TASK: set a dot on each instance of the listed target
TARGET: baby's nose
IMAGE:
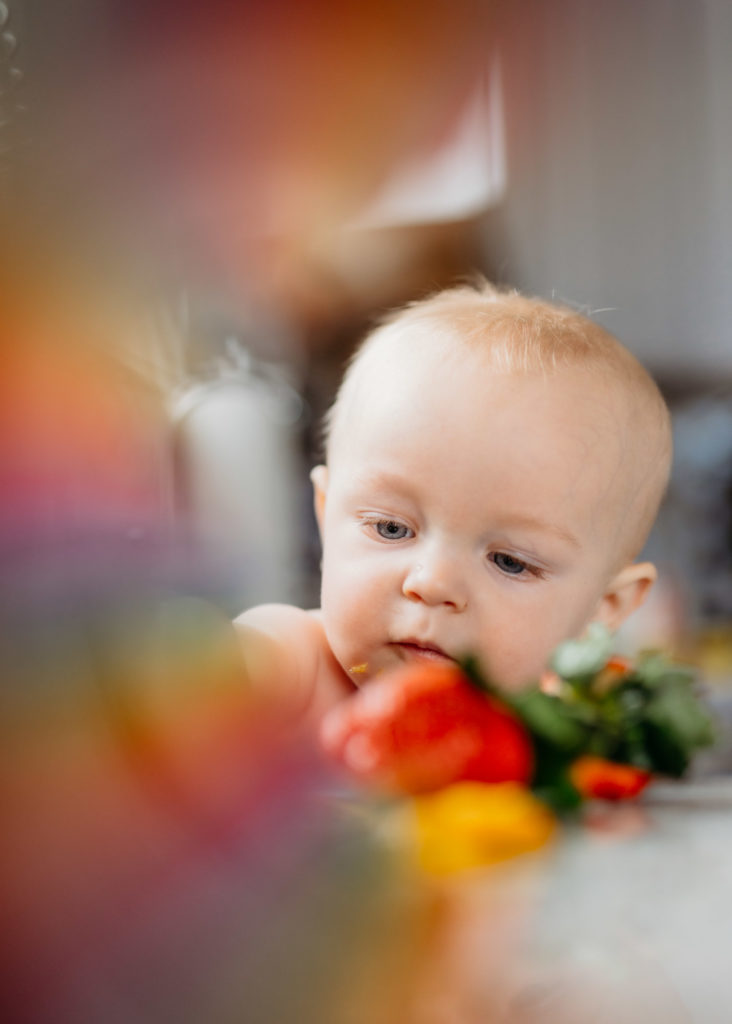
(436, 581)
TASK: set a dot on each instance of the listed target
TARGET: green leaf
(551, 783)
(676, 711)
(560, 795)
(470, 667)
(578, 659)
(631, 700)
(665, 755)
(550, 719)
(654, 670)
(632, 748)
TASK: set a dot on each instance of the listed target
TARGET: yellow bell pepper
(471, 824)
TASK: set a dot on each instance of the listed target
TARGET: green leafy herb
(647, 715)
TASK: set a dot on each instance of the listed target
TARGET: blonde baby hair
(524, 335)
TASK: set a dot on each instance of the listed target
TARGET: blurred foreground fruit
(471, 825)
(423, 727)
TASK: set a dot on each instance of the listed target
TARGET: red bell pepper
(423, 727)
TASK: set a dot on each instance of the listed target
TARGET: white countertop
(627, 921)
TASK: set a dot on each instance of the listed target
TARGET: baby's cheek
(355, 640)
(517, 660)
(524, 660)
(344, 631)
(351, 603)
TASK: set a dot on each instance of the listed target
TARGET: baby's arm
(288, 658)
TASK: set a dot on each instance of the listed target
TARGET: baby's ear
(319, 480)
(626, 592)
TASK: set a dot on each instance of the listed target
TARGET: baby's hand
(423, 727)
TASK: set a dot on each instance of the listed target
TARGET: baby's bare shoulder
(295, 642)
(284, 622)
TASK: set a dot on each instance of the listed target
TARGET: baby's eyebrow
(373, 479)
(525, 520)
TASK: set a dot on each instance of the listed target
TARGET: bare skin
(463, 510)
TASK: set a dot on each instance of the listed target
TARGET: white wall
(619, 151)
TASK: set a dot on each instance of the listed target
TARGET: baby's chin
(359, 672)
(363, 668)
(511, 680)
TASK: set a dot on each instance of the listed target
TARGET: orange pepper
(615, 669)
(598, 778)
(617, 663)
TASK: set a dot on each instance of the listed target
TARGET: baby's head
(494, 465)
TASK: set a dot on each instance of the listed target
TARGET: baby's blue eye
(389, 529)
(508, 564)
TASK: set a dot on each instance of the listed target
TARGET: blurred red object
(597, 778)
(423, 727)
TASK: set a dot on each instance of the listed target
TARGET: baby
(494, 465)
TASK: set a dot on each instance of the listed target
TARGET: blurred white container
(241, 481)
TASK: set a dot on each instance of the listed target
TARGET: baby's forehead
(454, 399)
(412, 369)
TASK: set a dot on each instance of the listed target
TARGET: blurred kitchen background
(203, 207)
(592, 165)
(584, 154)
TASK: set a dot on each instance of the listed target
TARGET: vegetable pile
(499, 765)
